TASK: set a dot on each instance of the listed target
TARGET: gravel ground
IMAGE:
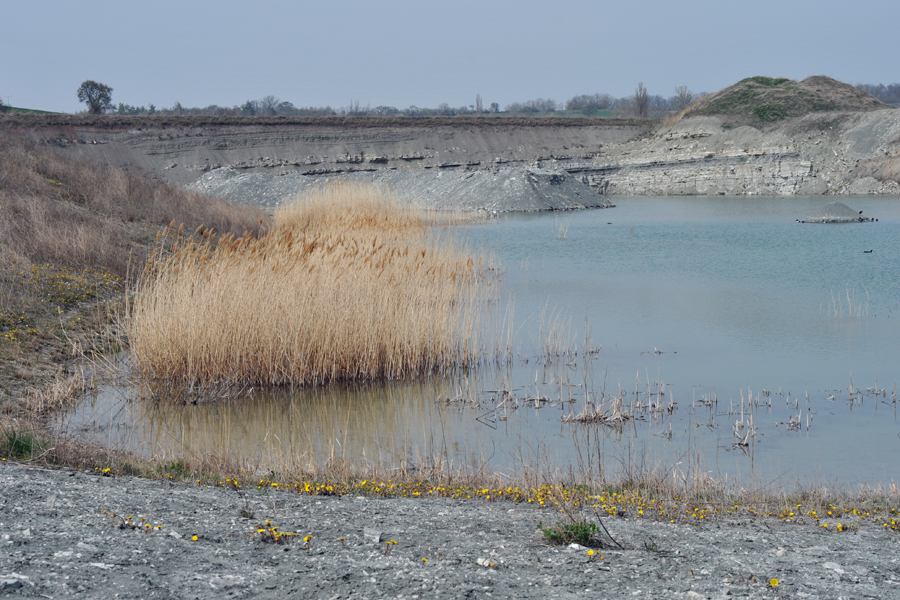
(57, 541)
(503, 190)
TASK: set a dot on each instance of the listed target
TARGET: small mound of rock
(837, 212)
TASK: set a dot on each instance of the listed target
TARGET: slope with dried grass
(347, 285)
(68, 229)
(71, 212)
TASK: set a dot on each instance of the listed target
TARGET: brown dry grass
(347, 285)
(68, 212)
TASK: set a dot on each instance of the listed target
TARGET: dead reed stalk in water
(346, 285)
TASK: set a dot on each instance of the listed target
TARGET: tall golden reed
(346, 285)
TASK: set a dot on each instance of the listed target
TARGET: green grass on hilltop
(763, 100)
(17, 109)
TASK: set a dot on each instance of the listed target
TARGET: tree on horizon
(97, 96)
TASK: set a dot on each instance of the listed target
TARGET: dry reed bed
(346, 285)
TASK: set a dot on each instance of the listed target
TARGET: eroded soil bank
(57, 541)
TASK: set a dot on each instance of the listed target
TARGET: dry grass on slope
(347, 285)
(69, 212)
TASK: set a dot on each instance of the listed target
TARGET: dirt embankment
(746, 142)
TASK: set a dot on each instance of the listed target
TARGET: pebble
(373, 535)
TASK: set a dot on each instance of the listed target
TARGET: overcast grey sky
(400, 53)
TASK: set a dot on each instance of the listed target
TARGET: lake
(681, 317)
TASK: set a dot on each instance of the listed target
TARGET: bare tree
(538, 105)
(479, 105)
(641, 101)
(683, 97)
(267, 105)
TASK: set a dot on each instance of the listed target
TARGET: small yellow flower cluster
(610, 502)
(143, 525)
(271, 534)
(830, 512)
(14, 324)
(387, 546)
(64, 286)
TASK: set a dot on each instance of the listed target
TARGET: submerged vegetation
(346, 285)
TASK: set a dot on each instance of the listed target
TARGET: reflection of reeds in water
(299, 430)
(347, 285)
(562, 229)
(556, 343)
(845, 305)
(394, 429)
(484, 426)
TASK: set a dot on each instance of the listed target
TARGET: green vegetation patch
(20, 445)
(770, 113)
(17, 109)
(65, 286)
(764, 81)
(582, 532)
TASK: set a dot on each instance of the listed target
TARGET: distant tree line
(98, 98)
(639, 104)
(591, 105)
(889, 94)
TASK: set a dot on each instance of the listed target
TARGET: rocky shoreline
(75, 533)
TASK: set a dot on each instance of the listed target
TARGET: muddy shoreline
(58, 541)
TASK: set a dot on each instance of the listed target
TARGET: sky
(423, 53)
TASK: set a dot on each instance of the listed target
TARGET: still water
(688, 315)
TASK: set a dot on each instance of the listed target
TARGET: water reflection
(567, 419)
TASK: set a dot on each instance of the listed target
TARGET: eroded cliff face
(182, 154)
(825, 153)
(821, 153)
